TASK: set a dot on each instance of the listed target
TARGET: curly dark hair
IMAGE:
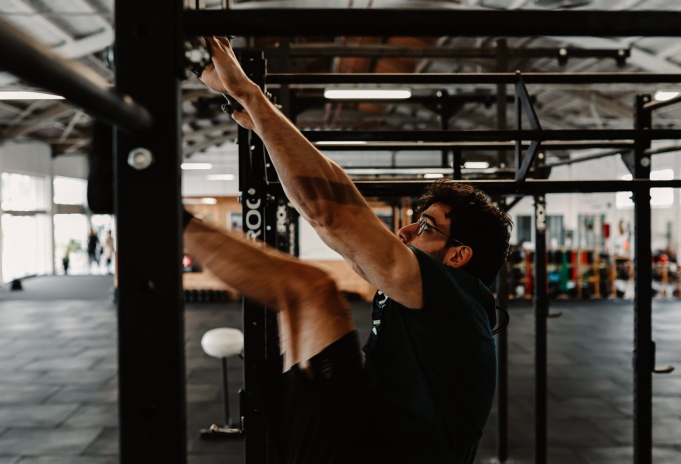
(476, 221)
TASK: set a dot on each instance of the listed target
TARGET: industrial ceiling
(83, 30)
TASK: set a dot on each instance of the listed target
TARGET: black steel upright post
(151, 358)
(541, 309)
(644, 353)
(502, 287)
(502, 367)
(252, 172)
(445, 114)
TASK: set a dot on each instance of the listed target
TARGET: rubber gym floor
(58, 387)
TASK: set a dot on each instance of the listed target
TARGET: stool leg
(225, 395)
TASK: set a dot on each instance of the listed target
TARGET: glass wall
(71, 227)
(26, 240)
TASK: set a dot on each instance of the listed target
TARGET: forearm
(313, 182)
(256, 271)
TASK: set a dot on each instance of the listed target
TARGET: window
(524, 228)
(556, 233)
(591, 230)
(69, 191)
(26, 243)
(25, 246)
(21, 192)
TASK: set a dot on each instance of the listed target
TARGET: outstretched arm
(311, 312)
(318, 188)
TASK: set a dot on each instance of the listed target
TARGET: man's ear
(458, 256)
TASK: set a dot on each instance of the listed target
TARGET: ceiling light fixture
(433, 176)
(662, 95)
(220, 177)
(476, 165)
(367, 94)
(29, 96)
(195, 166)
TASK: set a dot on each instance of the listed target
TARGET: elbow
(328, 217)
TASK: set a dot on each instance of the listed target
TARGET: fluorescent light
(433, 176)
(662, 95)
(220, 177)
(199, 201)
(367, 94)
(476, 164)
(29, 96)
(190, 166)
(346, 142)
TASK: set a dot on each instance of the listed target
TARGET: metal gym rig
(145, 109)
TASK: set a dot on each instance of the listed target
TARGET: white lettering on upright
(253, 219)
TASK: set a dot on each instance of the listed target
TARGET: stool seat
(223, 342)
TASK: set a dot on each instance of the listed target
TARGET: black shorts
(336, 418)
(329, 418)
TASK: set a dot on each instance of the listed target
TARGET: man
(92, 245)
(427, 385)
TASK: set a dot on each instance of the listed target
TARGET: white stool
(223, 343)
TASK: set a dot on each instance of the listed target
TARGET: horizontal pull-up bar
(652, 151)
(431, 22)
(505, 187)
(464, 146)
(22, 56)
(384, 51)
(493, 135)
(474, 78)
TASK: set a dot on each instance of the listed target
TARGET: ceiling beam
(43, 119)
(199, 147)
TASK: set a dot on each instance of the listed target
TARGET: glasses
(423, 225)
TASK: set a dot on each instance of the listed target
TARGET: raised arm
(318, 188)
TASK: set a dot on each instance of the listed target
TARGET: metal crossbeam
(469, 146)
(493, 135)
(504, 187)
(475, 78)
(20, 54)
(432, 22)
(385, 51)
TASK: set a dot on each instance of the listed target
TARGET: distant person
(92, 248)
(108, 250)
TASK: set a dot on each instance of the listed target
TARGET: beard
(440, 254)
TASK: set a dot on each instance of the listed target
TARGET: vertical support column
(457, 164)
(502, 287)
(501, 67)
(252, 174)
(151, 359)
(445, 114)
(518, 120)
(541, 309)
(644, 351)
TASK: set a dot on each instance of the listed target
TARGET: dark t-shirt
(433, 371)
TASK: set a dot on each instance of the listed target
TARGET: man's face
(431, 241)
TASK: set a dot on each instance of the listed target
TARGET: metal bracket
(629, 160)
(656, 370)
(522, 102)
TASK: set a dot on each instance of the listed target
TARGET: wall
(611, 168)
(35, 159)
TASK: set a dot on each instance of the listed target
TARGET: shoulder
(448, 287)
